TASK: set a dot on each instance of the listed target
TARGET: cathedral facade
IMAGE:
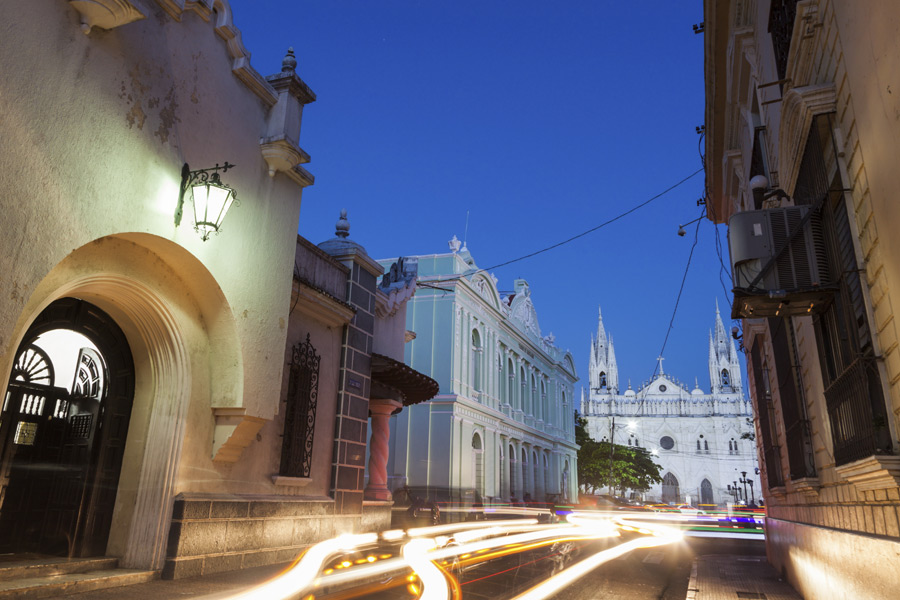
(696, 436)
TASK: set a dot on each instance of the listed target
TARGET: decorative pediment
(523, 314)
(486, 288)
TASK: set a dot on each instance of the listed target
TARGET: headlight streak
(302, 575)
(427, 547)
(662, 535)
(434, 584)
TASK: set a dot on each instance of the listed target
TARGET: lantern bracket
(201, 176)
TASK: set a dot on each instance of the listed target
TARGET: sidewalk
(727, 577)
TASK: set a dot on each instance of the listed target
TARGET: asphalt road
(654, 573)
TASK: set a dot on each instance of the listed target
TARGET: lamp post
(744, 480)
(733, 492)
(737, 491)
(752, 497)
(211, 198)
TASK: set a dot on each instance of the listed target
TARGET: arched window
(601, 381)
(735, 445)
(510, 382)
(477, 352)
(726, 379)
(513, 487)
(698, 445)
(477, 464)
(706, 446)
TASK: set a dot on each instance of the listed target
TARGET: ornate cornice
(799, 106)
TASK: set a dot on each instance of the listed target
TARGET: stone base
(210, 535)
(831, 564)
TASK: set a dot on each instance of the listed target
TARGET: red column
(379, 411)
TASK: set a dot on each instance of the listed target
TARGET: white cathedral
(694, 435)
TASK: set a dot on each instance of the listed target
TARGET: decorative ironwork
(33, 366)
(781, 27)
(88, 381)
(300, 416)
(80, 426)
(855, 430)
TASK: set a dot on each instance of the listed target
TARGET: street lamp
(737, 491)
(752, 497)
(744, 481)
(211, 198)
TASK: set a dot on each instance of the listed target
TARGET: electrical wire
(574, 237)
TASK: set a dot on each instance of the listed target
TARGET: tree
(632, 467)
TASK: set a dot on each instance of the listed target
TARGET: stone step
(45, 567)
(53, 586)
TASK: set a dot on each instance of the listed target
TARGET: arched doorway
(670, 489)
(706, 493)
(62, 436)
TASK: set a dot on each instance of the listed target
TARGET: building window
(601, 381)
(477, 357)
(853, 388)
(726, 380)
(781, 28)
(477, 464)
(766, 414)
(300, 416)
(666, 443)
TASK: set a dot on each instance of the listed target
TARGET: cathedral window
(706, 446)
(726, 380)
(601, 382)
(698, 445)
(666, 443)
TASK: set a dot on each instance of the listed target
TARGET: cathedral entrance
(670, 489)
(63, 425)
(706, 493)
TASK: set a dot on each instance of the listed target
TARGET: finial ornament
(342, 227)
(289, 64)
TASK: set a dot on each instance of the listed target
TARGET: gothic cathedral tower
(724, 365)
(604, 373)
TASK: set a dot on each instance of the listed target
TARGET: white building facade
(695, 436)
(503, 423)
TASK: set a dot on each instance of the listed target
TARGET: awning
(414, 386)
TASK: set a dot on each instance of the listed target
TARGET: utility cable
(574, 237)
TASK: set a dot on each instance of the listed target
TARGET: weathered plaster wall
(95, 130)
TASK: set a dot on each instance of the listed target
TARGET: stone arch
(185, 348)
(670, 491)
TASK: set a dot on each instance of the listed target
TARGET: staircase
(50, 577)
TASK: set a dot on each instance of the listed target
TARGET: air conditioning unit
(797, 282)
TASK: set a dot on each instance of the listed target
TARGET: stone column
(379, 449)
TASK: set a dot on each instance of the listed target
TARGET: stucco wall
(96, 129)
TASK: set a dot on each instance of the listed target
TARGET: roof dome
(341, 244)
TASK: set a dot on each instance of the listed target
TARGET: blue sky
(542, 120)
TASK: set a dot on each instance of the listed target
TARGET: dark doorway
(706, 493)
(670, 489)
(62, 434)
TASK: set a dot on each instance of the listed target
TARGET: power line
(577, 236)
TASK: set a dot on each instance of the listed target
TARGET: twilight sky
(542, 120)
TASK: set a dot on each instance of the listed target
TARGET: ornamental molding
(805, 36)
(108, 14)
(226, 30)
(282, 154)
(799, 106)
(872, 473)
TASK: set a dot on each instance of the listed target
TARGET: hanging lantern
(211, 198)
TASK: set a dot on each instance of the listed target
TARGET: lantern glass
(211, 202)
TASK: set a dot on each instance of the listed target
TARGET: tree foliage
(632, 467)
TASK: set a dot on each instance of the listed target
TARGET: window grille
(854, 393)
(766, 414)
(300, 416)
(781, 27)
